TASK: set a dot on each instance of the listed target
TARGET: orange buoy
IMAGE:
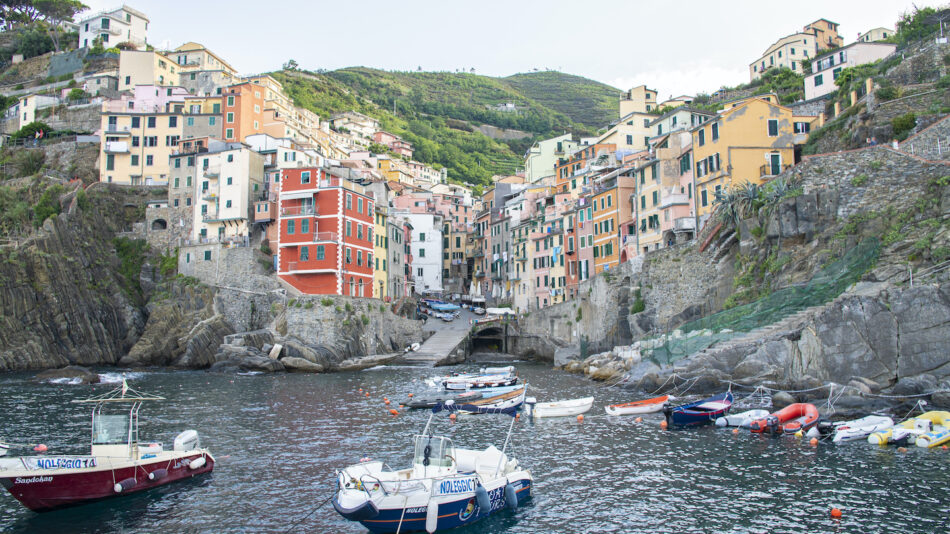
(944, 447)
(361, 390)
(901, 449)
(518, 417)
(638, 420)
(580, 418)
(402, 406)
(735, 430)
(452, 417)
(394, 411)
(40, 448)
(410, 395)
(664, 424)
(836, 513)
(813, 442)
(386, 402)
(385, 398)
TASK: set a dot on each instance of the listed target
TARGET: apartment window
(819, 80)
(304, 254)
(320, 252)
(702, 137)
(188, 201)
(176, 182)
(702, 196)
(230, 101)
(135, 160)
(835, 73)
(629, 139)
(779, 53)
(359, 259)
(304, 225)
(110, 162)
(212, 121)
(348, 229)
(643, 202)
(609, 199)
(151, 140)
(149, 159)
(150, 122)
(188, 181)
(229, 117)
(654, 198)
(175, 203)
(207, 255)
(290, 227)
(715, 131)
(773, 128)
(216, 108)
(128, 80)
(349, 201)
(359, 205)
(257, 125)
(305, 177)
(359, 231)
(229, 133)
(172, 121)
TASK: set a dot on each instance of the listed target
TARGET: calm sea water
(278, 440)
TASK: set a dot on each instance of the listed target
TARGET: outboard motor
(530, 402)
(771, 422)
(668, 413)
(187, 441)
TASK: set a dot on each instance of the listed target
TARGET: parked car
(448, 317)
(479, 311)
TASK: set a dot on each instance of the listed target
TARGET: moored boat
(908, 431)
(509, 402)
(118, 463)
(742, 419)
(789, 420)
(564, 408)
(446, 487)
(860, 429)
(638, 407)
(699, 412)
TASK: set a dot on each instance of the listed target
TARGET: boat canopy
(499, 311)
(444, 307)
(452, 406)
(433, 451)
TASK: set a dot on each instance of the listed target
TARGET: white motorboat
(564, 408)
(743, 419)
(653, 405)
(861, 428)
(446, 487)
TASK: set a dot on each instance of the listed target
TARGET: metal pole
(505, 446)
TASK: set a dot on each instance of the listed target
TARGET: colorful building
(541, 159)
(121, 25)
(144, 67)
(325, 243)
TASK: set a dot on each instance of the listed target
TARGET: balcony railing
(294, 211)
(117, 147)
(217, 217)
(684, 224)
(211, 170)
(208, 195)
(768, 170)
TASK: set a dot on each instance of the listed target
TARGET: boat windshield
(110, 429)
(433, 451)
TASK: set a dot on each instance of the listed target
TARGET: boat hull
(43, 491)
(562, 408)
(639, 407)
(699, 413)
(456, 513)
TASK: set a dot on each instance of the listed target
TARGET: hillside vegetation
(438, 111)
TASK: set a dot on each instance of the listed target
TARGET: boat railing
(407, 484)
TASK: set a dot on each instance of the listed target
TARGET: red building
(325, 243)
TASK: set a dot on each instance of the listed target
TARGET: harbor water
(278, 440)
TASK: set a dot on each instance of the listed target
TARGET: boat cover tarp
(499, 311)
(444, 307)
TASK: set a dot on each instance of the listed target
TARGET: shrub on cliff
(48, 205)
(131, 253)
(903, 124)
(29, 130)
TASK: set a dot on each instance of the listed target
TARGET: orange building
(243, 111)
(572, 174)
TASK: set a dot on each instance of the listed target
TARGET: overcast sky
(675, 47)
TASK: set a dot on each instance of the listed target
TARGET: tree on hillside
(291, 65)
(55, 12)
(16, 12)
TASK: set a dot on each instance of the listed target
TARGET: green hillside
(585, 101)
(438, 111)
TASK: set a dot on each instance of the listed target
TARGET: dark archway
(159, 224)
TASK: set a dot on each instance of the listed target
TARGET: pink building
(394, 143)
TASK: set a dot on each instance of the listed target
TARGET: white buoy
(197, 463)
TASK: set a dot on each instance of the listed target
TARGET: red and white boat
(117, 464)
(653, 405)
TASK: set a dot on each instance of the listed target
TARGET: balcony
(772, 170)
(298, 211)
(479, 254)
(212, 217)
(208, 195)
(684, 224)
(116, 147)
(99, 28)
(480, 274)
(325, 236)
(114, 130)
(212, 171)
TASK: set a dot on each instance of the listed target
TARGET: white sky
(675, 47)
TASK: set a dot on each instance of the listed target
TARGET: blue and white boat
(446, 487)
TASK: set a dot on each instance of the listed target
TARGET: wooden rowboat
(638, 407)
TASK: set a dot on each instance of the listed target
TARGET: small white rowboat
(563, 408)
(638, 407)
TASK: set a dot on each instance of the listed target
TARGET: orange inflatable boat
(788, 420)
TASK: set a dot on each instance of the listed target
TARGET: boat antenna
(428, 422)
(508, 437)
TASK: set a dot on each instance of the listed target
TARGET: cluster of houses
(245, 167)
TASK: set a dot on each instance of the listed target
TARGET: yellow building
(610, 200)
(136, 143)
(142, 67)
(631, 134)
(752, 140)
(648, 199)
(380, 253)
(638, 99)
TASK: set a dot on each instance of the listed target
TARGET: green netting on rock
(828, 283)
